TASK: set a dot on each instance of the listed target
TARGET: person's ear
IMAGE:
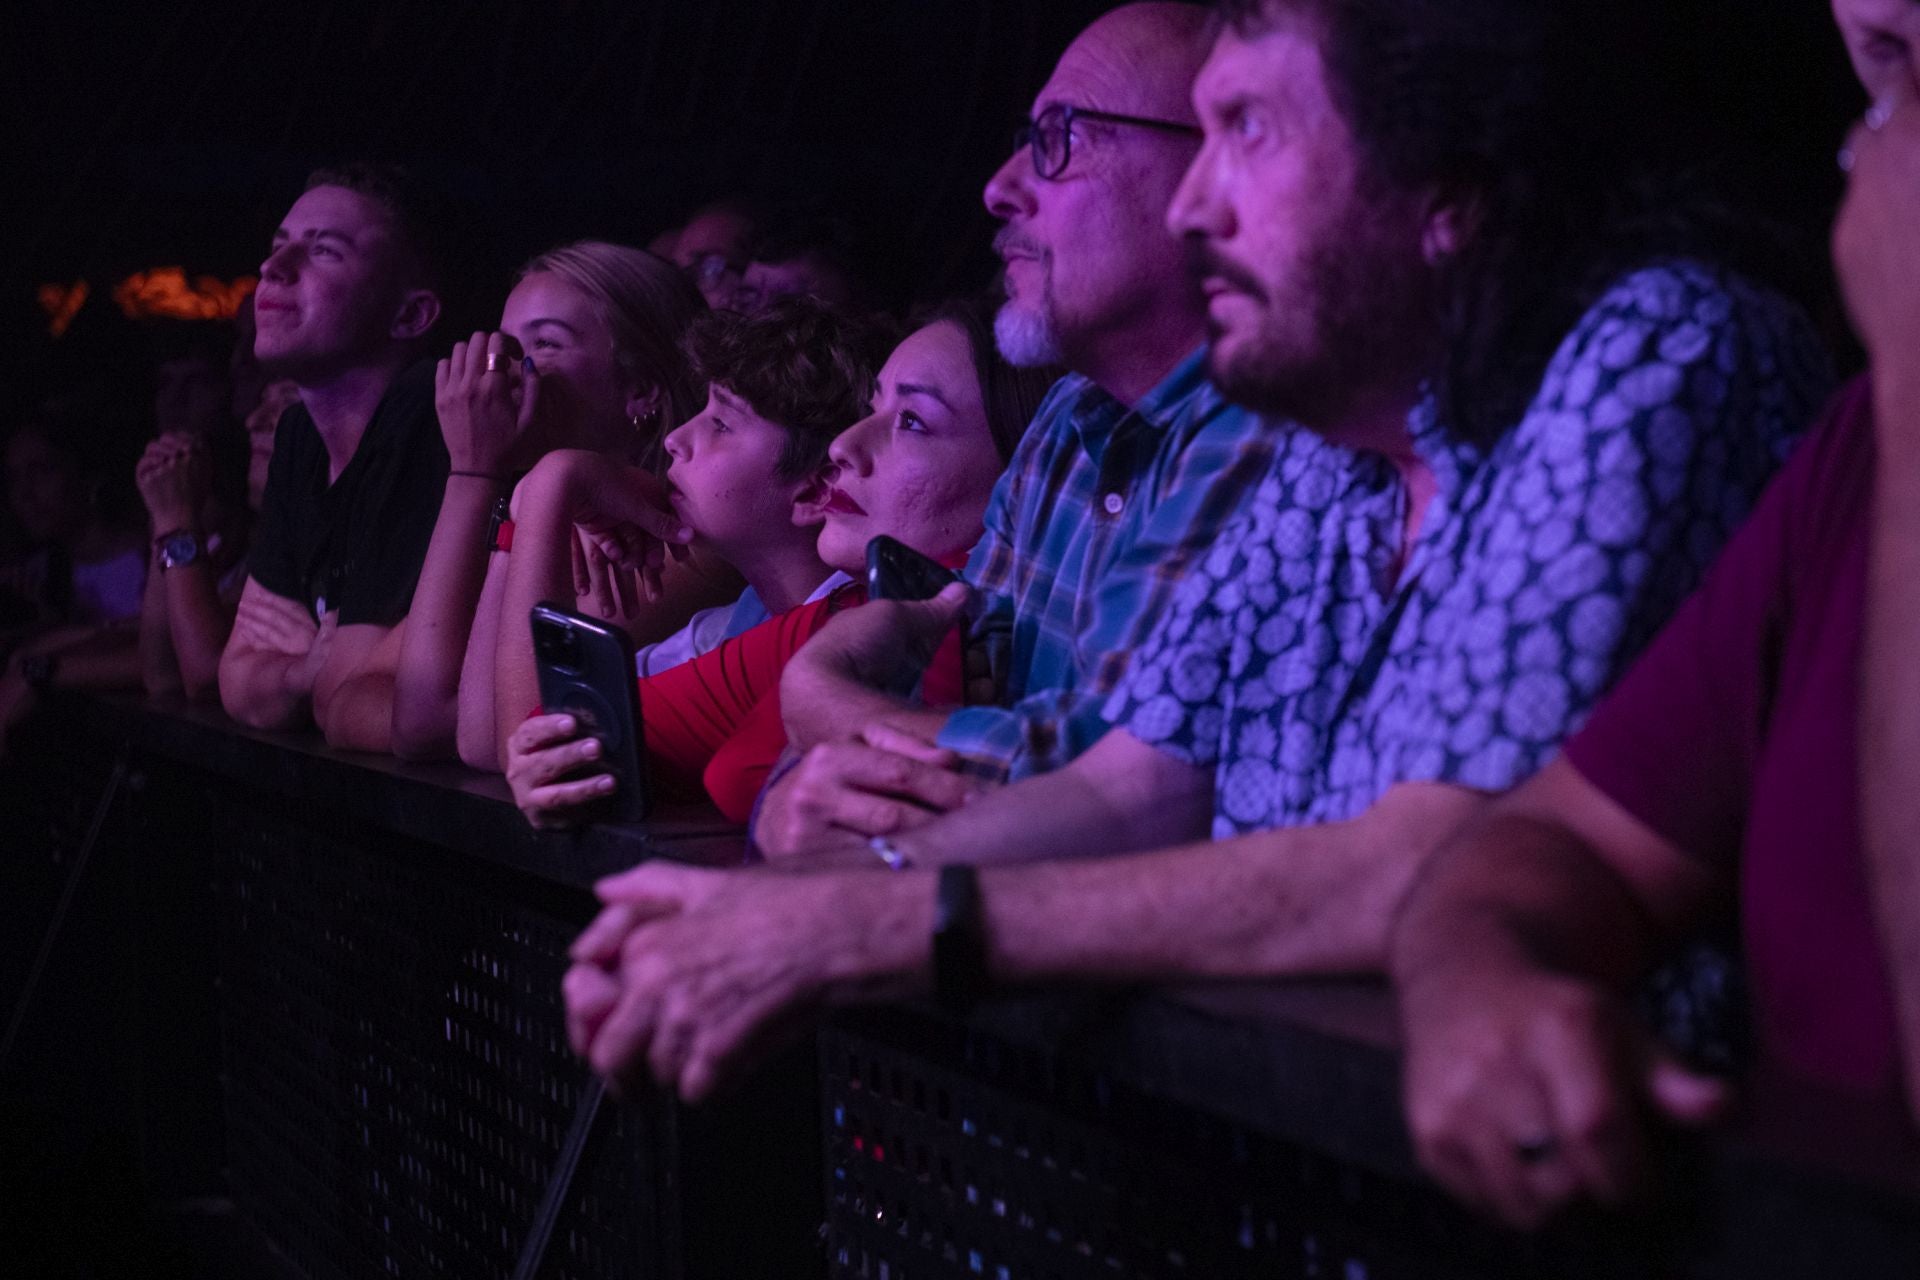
(1452, 218)
(810, 499)
(418, 312)
(644, 405)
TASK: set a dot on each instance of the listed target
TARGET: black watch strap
(959, 940)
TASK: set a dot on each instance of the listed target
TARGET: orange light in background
(61, 302)
(164, 291)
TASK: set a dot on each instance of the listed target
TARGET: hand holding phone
(586, 671)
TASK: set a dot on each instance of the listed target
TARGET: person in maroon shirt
(1765, 746)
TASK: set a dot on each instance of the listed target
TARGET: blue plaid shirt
(1100, 514)
(1309, 680)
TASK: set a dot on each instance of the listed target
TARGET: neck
(783, 576)
(1128, 363)
(342, 405)
(1378, 424)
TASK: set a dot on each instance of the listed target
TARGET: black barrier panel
(398, 1083)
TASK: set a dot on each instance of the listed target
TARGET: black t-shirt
(355, 545)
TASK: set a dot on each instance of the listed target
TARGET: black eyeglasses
(1050, 134)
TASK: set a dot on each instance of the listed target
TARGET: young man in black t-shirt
(347, 297)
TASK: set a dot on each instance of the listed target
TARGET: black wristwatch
(38, 670)
(959, 940)
(179, 548)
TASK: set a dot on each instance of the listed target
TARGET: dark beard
(1374, 328)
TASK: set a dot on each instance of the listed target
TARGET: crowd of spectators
(1396, 524)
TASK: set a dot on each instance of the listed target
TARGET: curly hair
(800, 364)
(1554, 124)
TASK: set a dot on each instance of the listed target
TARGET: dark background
(177, 132)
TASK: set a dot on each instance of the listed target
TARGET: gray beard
(1026, 335)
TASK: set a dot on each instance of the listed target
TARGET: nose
(1196, 208)
(281, 263)
(679, 443)
(853, 449)
(1008, 195)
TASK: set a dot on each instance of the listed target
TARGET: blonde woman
(587, 356)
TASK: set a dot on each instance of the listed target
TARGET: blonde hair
(647, 304)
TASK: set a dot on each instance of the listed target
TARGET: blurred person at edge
(349, 296)
(712, 248)
(588, 357)
(202, 495)
(812, 257)
(1762, 754)
(75, 595)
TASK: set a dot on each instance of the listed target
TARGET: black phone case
(896, 571)
(586, 670)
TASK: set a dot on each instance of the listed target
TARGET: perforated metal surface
(397, 1078)
(992, 1162)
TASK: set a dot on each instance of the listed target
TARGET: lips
(839, 504)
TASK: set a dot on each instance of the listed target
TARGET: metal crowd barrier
(338, 997)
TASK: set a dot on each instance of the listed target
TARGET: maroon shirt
(1733, 737)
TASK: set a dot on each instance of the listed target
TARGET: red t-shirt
(1733, 737)
(715, 721)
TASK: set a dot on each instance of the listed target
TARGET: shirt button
(1114, 503)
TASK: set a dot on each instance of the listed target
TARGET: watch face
(181, 548)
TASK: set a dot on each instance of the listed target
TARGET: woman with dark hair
(946, 415)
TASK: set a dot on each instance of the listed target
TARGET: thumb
(1684, 1096)
(944, 609)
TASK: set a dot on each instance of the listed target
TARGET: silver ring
(496, 360)
(1537, 1150)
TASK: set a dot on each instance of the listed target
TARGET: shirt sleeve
(1677, 741)
(1206, 483)
(690, 711)
(1658, 424)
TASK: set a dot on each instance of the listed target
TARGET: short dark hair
(1010, 394)
(420, 212)
(1552, 121)
(799, 363)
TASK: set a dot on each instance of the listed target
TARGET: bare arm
(1879, 266)
(567, 486)
(268, 667)
(1508, 956)
(159, 669)
(478, 748)
(426, 683)
(354, 690)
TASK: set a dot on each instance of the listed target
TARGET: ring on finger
(496, 361)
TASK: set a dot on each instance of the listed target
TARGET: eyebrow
(546, 321)
(921, 389)
(324, 233)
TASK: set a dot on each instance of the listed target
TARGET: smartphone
(586, 671)
(896, 571)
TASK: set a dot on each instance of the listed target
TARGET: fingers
(599, 943)
(852, 770)
(591, 994)
(546, 765)
(885, 737)
(1685, 1097)
(529, 379)
(553, 805)
(536, 733)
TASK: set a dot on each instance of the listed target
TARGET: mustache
(1006, 240)
(1203, 262)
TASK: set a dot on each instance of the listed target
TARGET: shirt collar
(1451, 460)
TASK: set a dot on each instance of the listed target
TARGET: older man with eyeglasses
(1129, 470)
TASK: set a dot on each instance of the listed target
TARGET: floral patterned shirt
(1309, 680)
